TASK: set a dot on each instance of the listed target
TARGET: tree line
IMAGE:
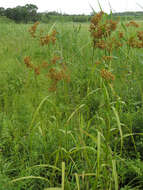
(28, 13)
(25, 13)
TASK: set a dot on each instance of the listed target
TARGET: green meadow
(71, 113)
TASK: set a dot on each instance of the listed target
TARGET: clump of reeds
(136, 41)
(109, 38)
(101, 29)
(56, 68)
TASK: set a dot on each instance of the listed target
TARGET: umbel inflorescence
(101, 29)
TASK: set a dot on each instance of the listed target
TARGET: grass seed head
(46, 40)
(120, 34)
(108, 76)
(140, 35)
(133, 24)
(107, 58)
(44, 64)
(37, 70)
(27, 62)
(55, 59)
(98, 62)
(33, 29)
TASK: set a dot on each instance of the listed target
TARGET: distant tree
(27, 13)
(2, 11)
(54, 13)
(9, 12)
(31, 12)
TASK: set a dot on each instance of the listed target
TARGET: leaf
(77, 181)
(115, 174)
(53, 188)
(119, 126)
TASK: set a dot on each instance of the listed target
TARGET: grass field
(71, 113)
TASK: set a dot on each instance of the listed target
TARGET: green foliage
(92, 125)
(27, 13)
(124, 16)
(131, 174)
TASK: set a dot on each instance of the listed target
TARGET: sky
(77, 6)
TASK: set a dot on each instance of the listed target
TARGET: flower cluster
(140, 35)
(45, 40)
(98, 62)
(107, 58)
(104, 37)
(120, 34)
(58, 73)
(101, 29)
(136, 41)
(108, 76)
(29, 64)
(56, 69)
(33, 29)
(133, 24)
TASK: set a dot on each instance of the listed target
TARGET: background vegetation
(29, 13)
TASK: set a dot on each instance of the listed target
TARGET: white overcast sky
(77, 6)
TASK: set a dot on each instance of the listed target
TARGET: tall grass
(85, 133)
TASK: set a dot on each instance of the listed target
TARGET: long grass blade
(53, 188)
(98, 153)
(77, 181)
(37, 111)
(115, 174)
(76, 110)
(119, 126)
(28, 177)
(63, 175)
